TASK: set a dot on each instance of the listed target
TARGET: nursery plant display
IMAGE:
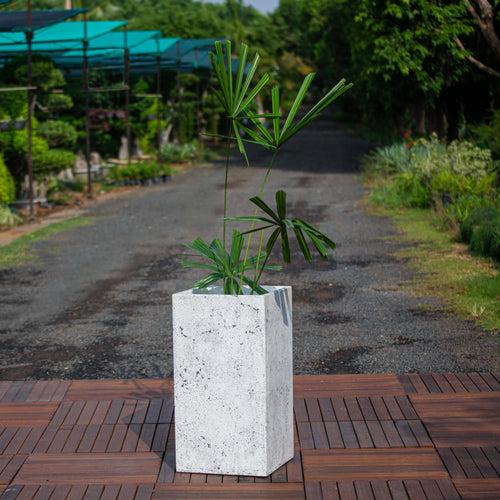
(232, 334)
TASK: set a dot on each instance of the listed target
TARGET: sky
(262, 5)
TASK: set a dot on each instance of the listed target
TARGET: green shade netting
(112, 60)
(110, 42)
(18, 21)
(60, 37)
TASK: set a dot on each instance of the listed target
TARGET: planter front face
(233, 381)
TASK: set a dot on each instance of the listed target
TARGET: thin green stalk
(226, 177)
(257, 279)
(259, 253)
(261, 192)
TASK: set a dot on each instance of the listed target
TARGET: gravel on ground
(96, 302)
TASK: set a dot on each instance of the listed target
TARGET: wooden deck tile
(347, 385)
(372, 464)
(90, 468)
(478, 489)
(464, 432)
(286, 491)
(356, 436)
(469, 405)
(26, 415)
(118, 389)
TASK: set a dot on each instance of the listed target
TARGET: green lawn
(20, 250)
(469, 285)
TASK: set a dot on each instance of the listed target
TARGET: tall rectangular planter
(233, 381)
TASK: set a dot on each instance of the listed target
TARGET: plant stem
(226, 177)
(261, 192)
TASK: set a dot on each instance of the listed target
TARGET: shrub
(53, 161)
(7, 186)
(8, 218)
(456, 184)
(488, 134)
(463, 206)
(482, 231)
(404, 190)
(58, 134)
(176, 153)
(388, 160)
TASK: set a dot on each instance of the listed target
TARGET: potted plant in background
(233, 372)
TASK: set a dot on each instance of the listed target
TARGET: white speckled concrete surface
(233, 381)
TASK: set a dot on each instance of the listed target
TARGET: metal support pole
(29, 124)
(198, 98)
(158, 106)
(86, 90)
(126, 82)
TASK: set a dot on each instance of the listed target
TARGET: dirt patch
(41, 361)
(341, 361)
(330, 318)
(319, 293)
(142, 268)
(428, 313)
(310, 213)
(304, 181)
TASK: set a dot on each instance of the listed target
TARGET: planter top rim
(216, 291)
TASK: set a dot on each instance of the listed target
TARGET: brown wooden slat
(406, 382)
(364, 490)
(330, 490)
(10, 469)
(451, 462)
(491, 381)
(381, 490)
(442, 383)
(110, 492)
(326, 408)
(467, 382)
(118, 389)
(469, 405)
(12, 392)
(347, 385)
(477, 489)
(313, 490)
(397, 489)
(454, 381)
(334, 436)
(288, 491)
(90, 468)
(300, 410)
(479, 382)
(417, 383)
(26, 415)
(346, 490)
(464, 432)
(313, 410)
(24, 391)
(319, 435)
(294, 469)
(448, 490)
(340, 409)
(371, 464)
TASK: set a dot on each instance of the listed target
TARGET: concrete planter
(233, 381)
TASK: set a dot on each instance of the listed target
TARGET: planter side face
(233, 382)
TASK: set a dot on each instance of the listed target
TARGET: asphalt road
(96, 303)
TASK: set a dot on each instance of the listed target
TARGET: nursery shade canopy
(63, 36)
(17, 21)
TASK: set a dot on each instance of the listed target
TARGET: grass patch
(20, 250)
(469, 285)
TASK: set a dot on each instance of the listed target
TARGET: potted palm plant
(233, 335)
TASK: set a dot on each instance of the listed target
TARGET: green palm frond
(226, 266)
(236, 94)
(280, 224)
(259, 134)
